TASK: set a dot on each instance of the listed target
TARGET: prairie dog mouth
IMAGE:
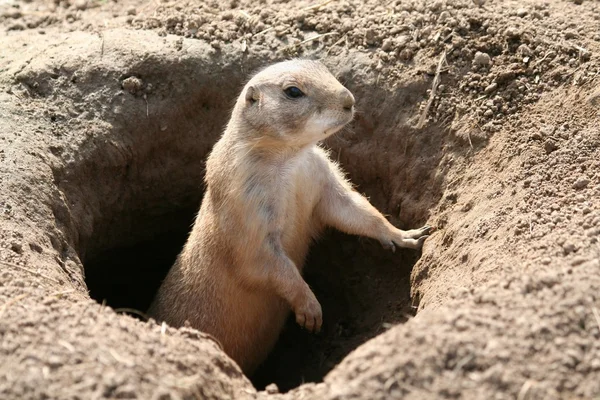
(336, 128)
(325, 124)
(319, 126)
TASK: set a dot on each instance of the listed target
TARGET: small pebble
(578, 261)
(272, 389)
(482, 58)
(387, 45)
(370, 36)
(550, 146)
(581, 183)
(536, 136)
(570, 35)
(81, 4)
(132, 84)
(444, 16)
(521, 12)
(524, 50)
(490, 88)
(406, 55)
(569, 248)
(512, 32)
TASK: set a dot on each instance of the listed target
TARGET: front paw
(308, 312)
(420, 232)
(419, 242)
(412, 239)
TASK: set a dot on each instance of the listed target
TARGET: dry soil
(481, 118)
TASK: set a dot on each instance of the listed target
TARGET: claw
(427, 229)
(421, 240)
(430, 229)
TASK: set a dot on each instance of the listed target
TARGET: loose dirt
(481, 118)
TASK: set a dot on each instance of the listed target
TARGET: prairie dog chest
(299, 224)
(284, 195)
(295, 187)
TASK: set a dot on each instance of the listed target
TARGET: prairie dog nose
(347, 99)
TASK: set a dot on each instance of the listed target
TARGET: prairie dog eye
(293, 92)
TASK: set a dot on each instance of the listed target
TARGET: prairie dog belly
(301, 226)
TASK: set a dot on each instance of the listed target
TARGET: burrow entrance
(134, 194)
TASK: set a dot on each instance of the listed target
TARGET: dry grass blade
(264, 31)
(245, 14)
(596, 316)
(310, 39)
(434, 86)
(30, 271)
(317, 6)
(132, 311)
(469, 138)
(11, 302)
(336, 43)
(123, 360)
(525, 389)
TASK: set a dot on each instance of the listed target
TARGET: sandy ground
(480, 119)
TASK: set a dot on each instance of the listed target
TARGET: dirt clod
(132, 84)
(482, 58)
(550, 146)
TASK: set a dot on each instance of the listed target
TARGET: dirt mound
(481, 120)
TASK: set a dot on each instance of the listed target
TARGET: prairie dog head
(298, 102)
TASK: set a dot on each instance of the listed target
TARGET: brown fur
(270, 191)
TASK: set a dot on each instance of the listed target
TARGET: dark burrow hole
(362, 288)
(127, 277)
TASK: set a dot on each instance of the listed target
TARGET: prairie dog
(270, 191)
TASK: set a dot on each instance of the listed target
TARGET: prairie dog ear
(252, 94)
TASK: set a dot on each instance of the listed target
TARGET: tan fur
(270, 191)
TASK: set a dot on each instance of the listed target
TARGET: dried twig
(596, 316)
(525, 389)
(317, 6)
(67, 345)
(102, 44)
(469, 138)
(132, 311)
(123, 360)
(147, 107)
(61, 293)
(11, 302)
(310, 39)
(434, 86)
(335, 44)
(264, 31)
(30, 271)
(101, 308)
(530, 226)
